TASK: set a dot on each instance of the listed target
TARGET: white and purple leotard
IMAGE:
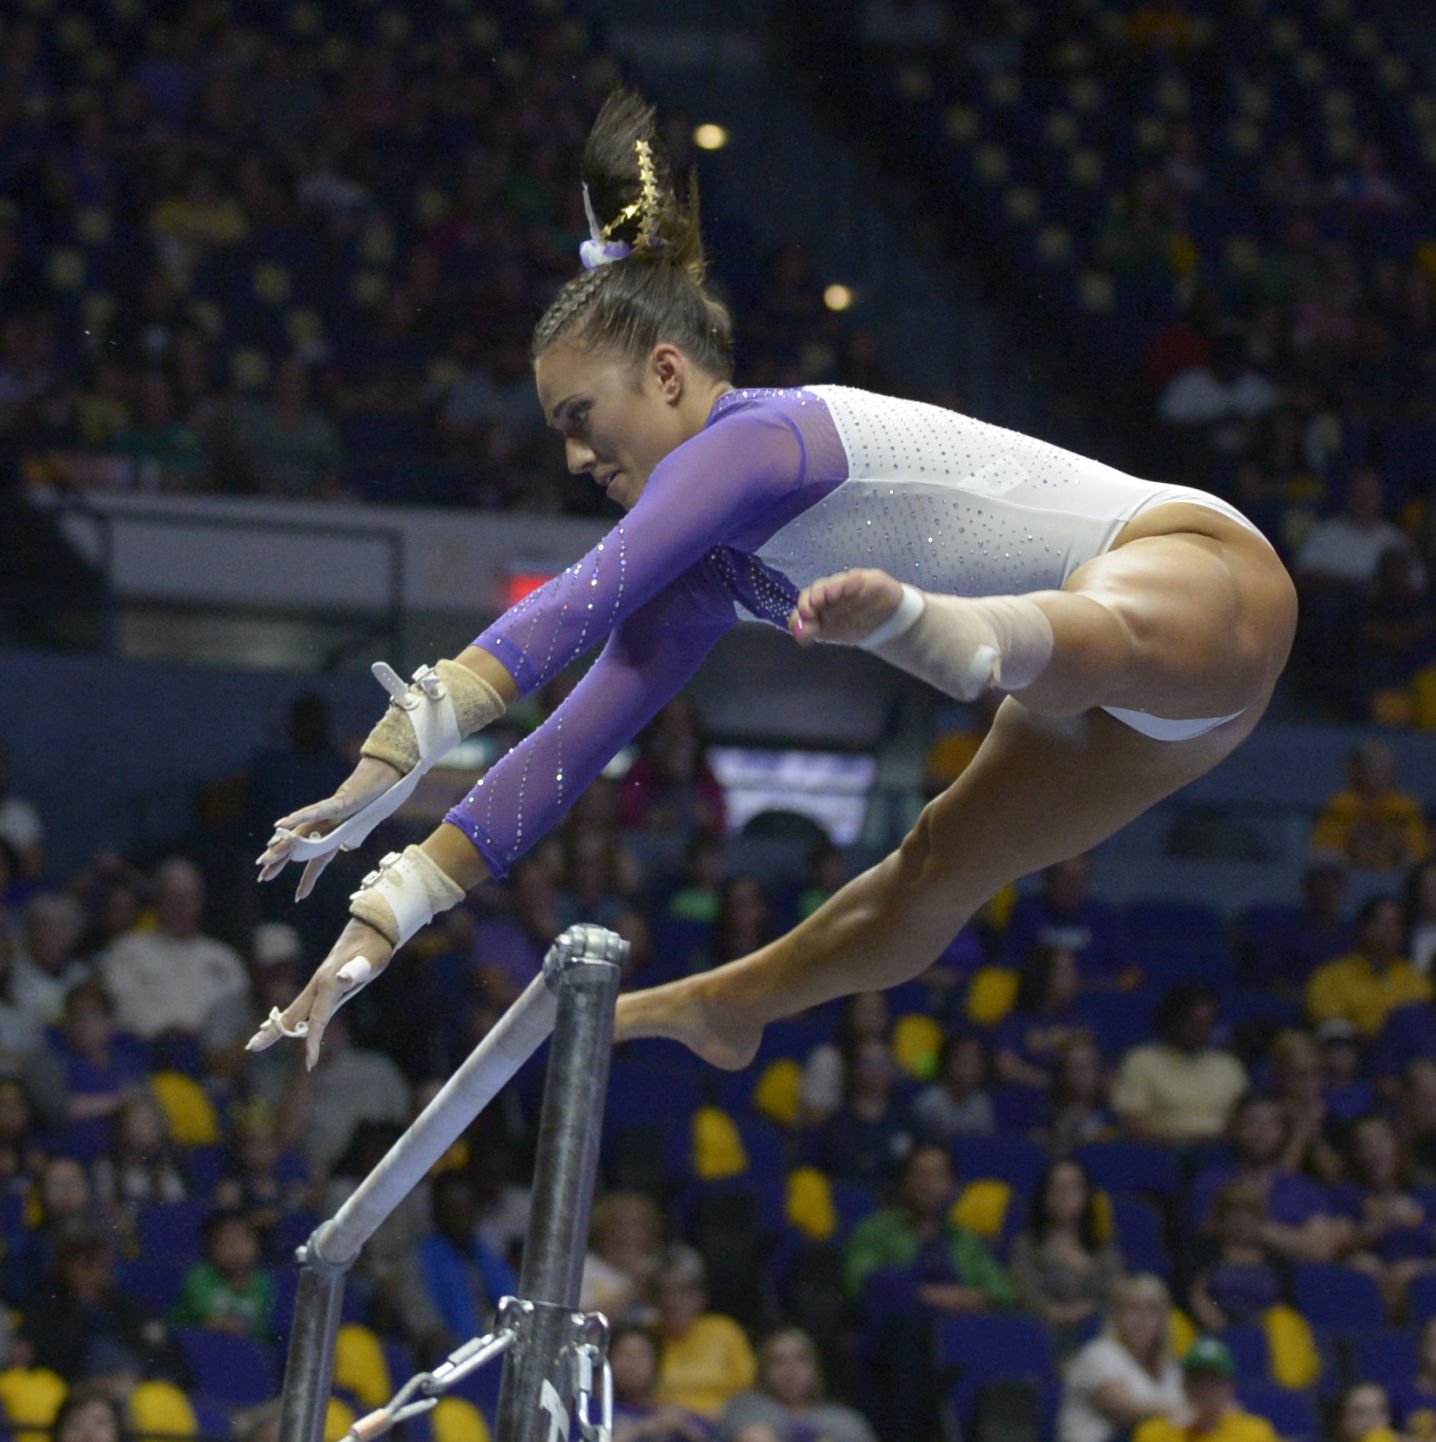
(781, 488)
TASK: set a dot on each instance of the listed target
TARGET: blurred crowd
(1182, 1170)
(302, 258)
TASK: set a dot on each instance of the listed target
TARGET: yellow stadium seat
(160, 1409)
(809, 1204)
(455, 1420)
(917, 1040)
(718, 1150)
(982, 1207)
(187, 1107)
(31, 1396)
(1295, 1362)
(991, 995)
(1183, 1332)
(360, 1366)
(1104, 1223)
(779, 1093)
(338, 1419)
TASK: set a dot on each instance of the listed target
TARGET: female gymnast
(1137, 630)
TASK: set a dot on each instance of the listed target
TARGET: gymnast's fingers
(292, 1021)
(311, 874)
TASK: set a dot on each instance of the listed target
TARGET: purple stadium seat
(1338, 1298)
(234, 1371)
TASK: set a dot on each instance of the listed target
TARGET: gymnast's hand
(356, 959)
(370, 779)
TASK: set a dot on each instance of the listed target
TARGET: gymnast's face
(618, 419)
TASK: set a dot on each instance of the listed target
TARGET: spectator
(671, 788)
(1416, 1118)
(83, 1305)
(64, 1201)
(89, 1414)
(1346, 550)
(465, 1278)
(1180, 1088)
(164, 452)
(319, 1110)
(625, 1247)
(1126, 1375)
(1345, 1090)
(698, 897)
(828, 871)
(866, 1016)
(228, 1291)
(1414, 1398)
(706, 1358)
(951, 1267)
(274, 975)
(1372, 824)
(744, 922)
(1062, 1272)
(1363, 1414)
(1065, 915)
(1208, 1372)
(1392, 1223)
(1367, 985)
(141, 1167)
(866, 1139)
(957, 1103)
(508, 950)
(1293, 950)
(22, 1039)
(287, 445)
(20, 1154)
(1299, 1089)
(263, 1183)
(103, 1068)
(20, 826)
(48, 963)
(1077, 1105)
(1043, 1018)
(1237, 1277)
(787, 1403)
(633, 1352)
(1420, 898)
(1300, 1222)
(165, 981)
(1396, 622)
(1216, 406)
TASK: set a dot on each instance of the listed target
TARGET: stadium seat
(1340, 1299)
(361, 1366)
(235, 1371)
(1421, 1299)
(1294, 1415)
(171, 1229)
(1388, 1357)
(1137, 1226)
(1250, 1351)
(161, 1410)
(154, 1280)
(1144, 1168)
(456, 1420)
(31, 1396)
(1013, 1160)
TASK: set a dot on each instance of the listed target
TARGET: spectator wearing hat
(1212, 1412)
(275, 958)
(1367, 985)
(1180, 1088)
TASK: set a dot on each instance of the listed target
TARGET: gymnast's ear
(669, 369)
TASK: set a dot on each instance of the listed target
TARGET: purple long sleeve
(713, 490)
(646, 662)
(663, 583)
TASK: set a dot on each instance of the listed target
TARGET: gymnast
(1135, 630)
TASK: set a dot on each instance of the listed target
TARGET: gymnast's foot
(683, 1011)
(846, 608)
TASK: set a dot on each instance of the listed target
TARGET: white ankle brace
(964, 645)
(404, 895)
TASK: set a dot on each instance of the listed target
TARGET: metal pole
(309, 1369)
(583, 966)
(485, 1072)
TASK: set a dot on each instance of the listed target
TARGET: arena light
(709, 136)
(838, 297)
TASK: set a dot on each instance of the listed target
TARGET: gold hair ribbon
(645, 208)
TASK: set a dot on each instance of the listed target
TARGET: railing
(68, 507)
(554, 1356)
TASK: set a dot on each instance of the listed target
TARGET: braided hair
(656, 292)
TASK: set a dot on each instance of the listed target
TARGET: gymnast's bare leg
(1188, 615)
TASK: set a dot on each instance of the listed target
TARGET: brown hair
(657, 293)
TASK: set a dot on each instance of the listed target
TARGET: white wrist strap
(429, 708)
(908, 610)
(404, 895)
